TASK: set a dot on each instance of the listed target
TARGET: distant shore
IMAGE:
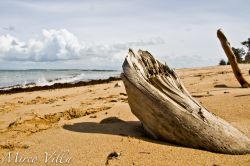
(58, 86)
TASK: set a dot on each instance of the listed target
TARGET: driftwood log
(232, 59)
(168, 112)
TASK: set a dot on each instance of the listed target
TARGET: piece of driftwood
(232, 59)
(168, 112)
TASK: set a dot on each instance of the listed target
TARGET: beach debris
(123, 94)
(7, 145)
(220, 86)
(243, 95)
(199, 96)
(111, 156)
(20, 102)
(26, 144)
(144, 152)
(11, 145)
(118, 84)
(158, 98)
(232, 59)
(93, 116)
(113, 100)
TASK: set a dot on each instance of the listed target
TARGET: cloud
(9, 28)
(61, 45)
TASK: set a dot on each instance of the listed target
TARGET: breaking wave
(73, 79)
(42, 77)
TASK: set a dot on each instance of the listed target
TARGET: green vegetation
(222, 62)
(242, 56)
(239, 54)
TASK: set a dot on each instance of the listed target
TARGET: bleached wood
(232, 59)
(167, 111)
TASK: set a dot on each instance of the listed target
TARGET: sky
(96, 34)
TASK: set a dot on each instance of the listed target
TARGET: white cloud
(188, 27)
(61, 45)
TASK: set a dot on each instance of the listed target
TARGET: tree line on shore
(241, 55)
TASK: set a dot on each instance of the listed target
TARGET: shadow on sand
(225, 86)
(114, 126)
(244, 95)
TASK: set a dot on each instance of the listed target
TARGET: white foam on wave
(43, 82)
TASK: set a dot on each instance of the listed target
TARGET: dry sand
(88, 123)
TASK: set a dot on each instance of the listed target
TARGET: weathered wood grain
(168, 112)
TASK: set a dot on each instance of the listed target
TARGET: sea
(46, 77)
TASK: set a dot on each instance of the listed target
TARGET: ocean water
(42, 77)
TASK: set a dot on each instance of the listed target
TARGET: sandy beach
(83, 125)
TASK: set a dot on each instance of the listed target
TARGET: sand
(93, 125)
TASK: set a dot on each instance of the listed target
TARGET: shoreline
(13, 89)
(58, 86)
